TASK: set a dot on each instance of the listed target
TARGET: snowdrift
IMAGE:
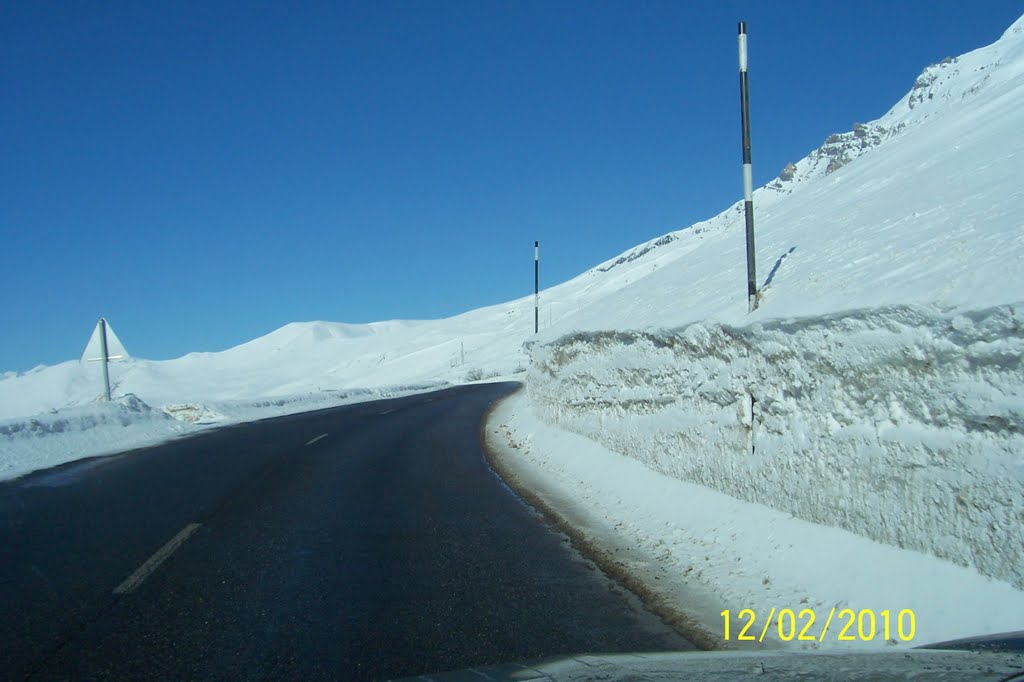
(902, 425)
(73, 433)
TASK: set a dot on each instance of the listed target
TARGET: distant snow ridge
(951, 82)
(638, 252)
(837, 151)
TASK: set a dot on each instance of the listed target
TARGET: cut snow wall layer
(903, 424)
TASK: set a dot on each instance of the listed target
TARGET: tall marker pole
(104, 358)
(748, 175)
(536, 287)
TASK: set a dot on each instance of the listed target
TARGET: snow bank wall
(84, 431)
(902, 424)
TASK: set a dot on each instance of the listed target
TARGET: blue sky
(203, 173)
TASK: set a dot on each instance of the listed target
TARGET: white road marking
(153, 562)
(388, 412)
(322, 435)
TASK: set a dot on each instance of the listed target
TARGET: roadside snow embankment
(903, 425)
(693, 552)
(85, 431)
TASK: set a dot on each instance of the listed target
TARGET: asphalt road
(361, 542)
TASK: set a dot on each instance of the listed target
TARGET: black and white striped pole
(748, 175)
(536, 287)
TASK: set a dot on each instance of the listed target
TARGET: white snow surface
(76, 432)
(884, 362)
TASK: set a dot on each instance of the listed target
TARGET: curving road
(361, 542)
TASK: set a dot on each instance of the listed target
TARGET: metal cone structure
(104, 346)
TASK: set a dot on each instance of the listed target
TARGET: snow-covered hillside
(924, 208)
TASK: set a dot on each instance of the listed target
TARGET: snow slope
(928, 212)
